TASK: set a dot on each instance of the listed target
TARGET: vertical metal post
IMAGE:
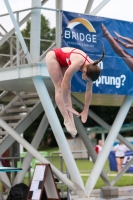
(108, 143)
(11, 52)
(103, 137)
(35, 31)
(68, 190)
(29, 175)
(61, 168)
(17, 42)
(59, 5)
(61, 163)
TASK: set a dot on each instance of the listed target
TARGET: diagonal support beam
(89, 146)
(59, 135)
(121, 115)
(89, 6)
(35, 143)
(9, 34)
(36, 154)
(99, 7)
(102, 123)
(19, 34)
(122, 172)
(48, 106)
(67, 154)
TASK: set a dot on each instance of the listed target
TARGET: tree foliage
(46, 33)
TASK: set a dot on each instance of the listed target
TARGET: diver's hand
(84, 115)
(70, 109)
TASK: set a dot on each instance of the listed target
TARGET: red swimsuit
(64, 58)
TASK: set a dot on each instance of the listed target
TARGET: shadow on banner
(127, 158)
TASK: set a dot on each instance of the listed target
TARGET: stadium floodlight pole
(120, 117)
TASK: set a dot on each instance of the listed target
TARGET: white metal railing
(3, 94)
(20, 56)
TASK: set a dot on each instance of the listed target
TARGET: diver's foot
(105, 31)
(74, 133)
(70, 128)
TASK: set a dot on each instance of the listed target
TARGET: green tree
(46, 33)
(5, 49)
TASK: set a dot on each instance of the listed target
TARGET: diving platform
(19, 78)
(34, 77)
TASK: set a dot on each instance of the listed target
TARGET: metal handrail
(22, 101)
(12, 159)
(44, 53)
(76, 151)
(3, 94)
(51, 9)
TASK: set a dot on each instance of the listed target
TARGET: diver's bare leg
(118, 50)
(54, 67)
(124, 38)
(70, 104)
(113, 43)
(124, 44)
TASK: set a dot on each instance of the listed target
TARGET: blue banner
(127, 158)
(86, 32)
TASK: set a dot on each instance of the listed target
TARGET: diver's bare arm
(88, 96)
(66, 91)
